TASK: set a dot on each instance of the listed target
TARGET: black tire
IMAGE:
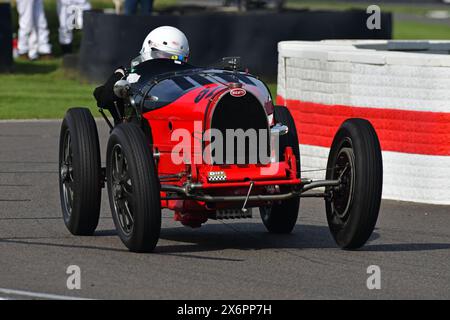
(282, 216)
(80, 172)
(134, 192)
(352, 210)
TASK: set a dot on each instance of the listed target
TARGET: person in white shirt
(70, 15)
(33, 35)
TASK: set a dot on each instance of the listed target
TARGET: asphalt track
(230, 260)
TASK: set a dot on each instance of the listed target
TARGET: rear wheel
(133, 188)
(352, 208)
(80, 172)
(281, 216)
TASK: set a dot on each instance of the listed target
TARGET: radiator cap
(234, 85)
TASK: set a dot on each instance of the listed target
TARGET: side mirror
(122, 89)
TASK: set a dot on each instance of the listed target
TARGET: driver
(162, 43)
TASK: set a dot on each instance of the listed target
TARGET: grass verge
(411, 30)
(40, 90)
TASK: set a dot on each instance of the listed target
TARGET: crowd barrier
(6, 59)
(111, 40)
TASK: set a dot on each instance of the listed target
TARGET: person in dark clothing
(106, 99)
(162, 43)
(131, 6)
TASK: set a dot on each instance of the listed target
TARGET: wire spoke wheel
(342, 196)
(122, 190)
(133, 188)
(66, 173)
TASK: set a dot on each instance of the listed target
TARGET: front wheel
(352, 207)
(133, 188)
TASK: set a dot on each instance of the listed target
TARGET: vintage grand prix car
(176, 111)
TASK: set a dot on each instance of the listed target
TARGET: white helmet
(165, 43)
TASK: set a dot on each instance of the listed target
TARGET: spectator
(118, 4)
(131, 6)
(70, 15)
(33, 29)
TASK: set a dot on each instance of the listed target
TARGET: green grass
(410, 30)
(386, 7)
(41, 90)
(273, 89)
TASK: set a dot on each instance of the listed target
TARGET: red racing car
(168, 151)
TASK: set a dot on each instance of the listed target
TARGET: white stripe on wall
(407, 177)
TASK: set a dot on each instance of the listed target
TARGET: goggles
(159, 54)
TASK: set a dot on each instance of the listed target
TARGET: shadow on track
(238, 236)
(248, 236)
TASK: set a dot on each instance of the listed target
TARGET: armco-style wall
(402, 87)
(111, 40)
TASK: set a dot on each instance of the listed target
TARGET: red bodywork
(192, 111)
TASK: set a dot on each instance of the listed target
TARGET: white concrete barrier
(402, 87)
